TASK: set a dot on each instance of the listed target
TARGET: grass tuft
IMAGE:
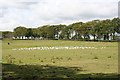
(95, 57)
(109, 56)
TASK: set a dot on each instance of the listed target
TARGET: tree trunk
(84, 36)
(78, 36)
(104, 37)
(75, 36)
(113, 36)
(94, 37)
(107, 36)
(22, 37)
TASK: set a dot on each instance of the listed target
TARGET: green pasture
(63, 63)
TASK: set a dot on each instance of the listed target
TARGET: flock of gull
(48, 48)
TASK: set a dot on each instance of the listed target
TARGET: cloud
(34, 13)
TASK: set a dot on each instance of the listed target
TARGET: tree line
(98, 29)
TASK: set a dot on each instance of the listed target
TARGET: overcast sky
(35, 13)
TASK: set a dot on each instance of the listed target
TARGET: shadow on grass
(12, 71)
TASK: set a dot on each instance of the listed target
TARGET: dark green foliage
(7, 34)
(100, 30)
(20, 32)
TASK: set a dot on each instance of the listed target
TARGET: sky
(36, 13)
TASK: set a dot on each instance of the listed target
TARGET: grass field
(61, 63)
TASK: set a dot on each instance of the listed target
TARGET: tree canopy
(98, 29)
